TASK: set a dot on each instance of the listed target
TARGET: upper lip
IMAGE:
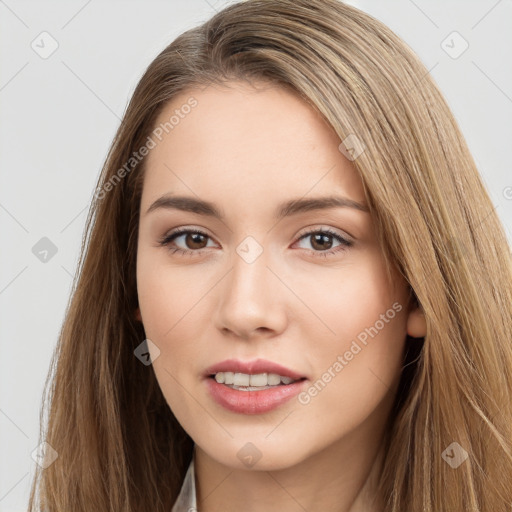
(253, 367)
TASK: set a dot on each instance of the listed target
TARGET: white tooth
(241, 379)
(259, 379)
(273, 379)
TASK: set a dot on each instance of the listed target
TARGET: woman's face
(263, 283)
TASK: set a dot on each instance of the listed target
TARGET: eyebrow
(291, 207)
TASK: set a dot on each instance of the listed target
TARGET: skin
(248, 149)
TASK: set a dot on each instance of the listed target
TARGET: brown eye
(322, 242)
(193, 240)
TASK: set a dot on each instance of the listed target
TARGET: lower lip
(253, 402)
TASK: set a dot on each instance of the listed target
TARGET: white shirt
(186, 501)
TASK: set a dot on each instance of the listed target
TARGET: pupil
(319, 237)
(196, 239)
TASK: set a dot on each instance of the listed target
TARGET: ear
(137, 315)
(416, 322)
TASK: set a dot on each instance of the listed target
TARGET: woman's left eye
(193, 238)
(323, 237)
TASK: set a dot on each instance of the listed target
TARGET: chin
(255, 454)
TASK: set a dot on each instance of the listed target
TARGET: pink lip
(253, 402)
(252, 367)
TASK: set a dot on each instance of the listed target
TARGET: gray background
(58, 117)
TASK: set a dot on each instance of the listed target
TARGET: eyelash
(167, 239)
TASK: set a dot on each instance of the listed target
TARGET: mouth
(252, 387)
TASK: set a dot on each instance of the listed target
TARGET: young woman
(294, 292)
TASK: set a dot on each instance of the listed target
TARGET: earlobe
(416, 323)
(137, 315)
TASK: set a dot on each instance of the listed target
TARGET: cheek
(354, 380)
(170, 306)
(358, 360)
(165, 292)
(168, 301)
(343, 303)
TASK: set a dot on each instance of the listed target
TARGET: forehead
(245, 141)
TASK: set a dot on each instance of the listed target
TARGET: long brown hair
(119, 445)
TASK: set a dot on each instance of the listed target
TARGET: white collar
(186, 501)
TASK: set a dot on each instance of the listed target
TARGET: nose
(252, 299)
